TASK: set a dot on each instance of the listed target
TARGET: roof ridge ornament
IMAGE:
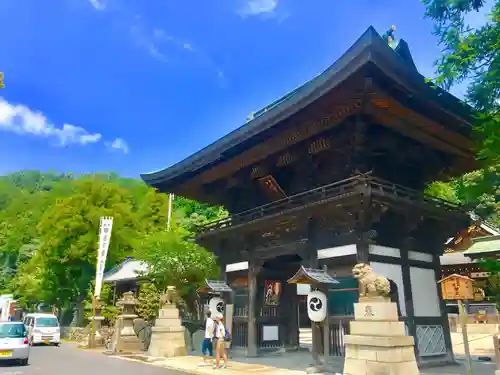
(389, 37)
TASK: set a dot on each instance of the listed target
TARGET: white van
(43, 329)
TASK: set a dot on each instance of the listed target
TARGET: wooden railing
(324, 194)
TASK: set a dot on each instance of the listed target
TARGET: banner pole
(92, 327)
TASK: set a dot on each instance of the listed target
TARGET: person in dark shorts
(207, 346)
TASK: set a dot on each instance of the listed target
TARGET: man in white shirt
(206, 346)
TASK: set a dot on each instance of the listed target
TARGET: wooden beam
(338, 106)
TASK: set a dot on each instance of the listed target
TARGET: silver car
(14, 344)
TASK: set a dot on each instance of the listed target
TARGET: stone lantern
(128, 340)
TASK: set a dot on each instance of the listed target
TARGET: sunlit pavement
(69, 360)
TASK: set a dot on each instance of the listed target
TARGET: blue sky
(134, 86)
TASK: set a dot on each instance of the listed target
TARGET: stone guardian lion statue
(370, 284)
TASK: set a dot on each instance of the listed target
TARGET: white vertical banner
(169, 215)
(106, 225)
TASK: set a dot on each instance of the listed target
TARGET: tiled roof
(455, 275)
(311, 276)
(484, 245)
(217, 286)
(370, 48)
(128, 270)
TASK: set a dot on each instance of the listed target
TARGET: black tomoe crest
(315, 304)
(220, 307)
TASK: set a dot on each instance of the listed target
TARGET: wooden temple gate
(331, 175)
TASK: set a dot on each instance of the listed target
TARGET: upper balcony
(351, 189)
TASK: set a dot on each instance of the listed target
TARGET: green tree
(149, 302)
(49, 223)
(492, 284)
(68, 233)
(443, 190)
(108, 309)
(27, 285)
(473, 55)
(176, 262)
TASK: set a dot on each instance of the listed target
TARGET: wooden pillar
(254, 267)
(310, 260)
(221, 250)
(288, 307)
(363, 225)
(410, 314)
(326, 322)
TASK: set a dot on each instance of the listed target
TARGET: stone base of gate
(378, 344)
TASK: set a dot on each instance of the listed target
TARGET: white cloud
(98, 4)
(119, 144)
(257, 7)
(149, 41)
(156, 42)
(19, 119)
(188, 46)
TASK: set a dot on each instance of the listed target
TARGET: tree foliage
(149, 302)
(492, 283)
(49, 231)
(471, 55)
(109, 310)
(68, 232)
(174, 261)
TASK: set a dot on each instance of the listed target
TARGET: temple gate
(333, 174)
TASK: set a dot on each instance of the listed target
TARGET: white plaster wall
(385, 250)
(424, 291)
(336, 252)
(393, 272)
(240, 266)
(303, 289)
(423, 257)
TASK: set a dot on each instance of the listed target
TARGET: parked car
(14, 343)
(43, 329)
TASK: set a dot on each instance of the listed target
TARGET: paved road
(68, 360)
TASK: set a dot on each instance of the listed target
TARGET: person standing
(206, 346)
(220, 341)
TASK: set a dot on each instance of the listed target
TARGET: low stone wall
(492, 320)
(74, 333)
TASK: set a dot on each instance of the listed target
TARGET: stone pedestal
(167, 336)
(128, 341)
(378, 344)
(97, 339)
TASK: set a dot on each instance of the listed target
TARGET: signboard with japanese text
(272, 293)
(106, 225)
(457, 287)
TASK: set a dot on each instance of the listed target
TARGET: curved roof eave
(261, 122)
(272, 114)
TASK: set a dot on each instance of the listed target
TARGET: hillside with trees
(49, 233)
